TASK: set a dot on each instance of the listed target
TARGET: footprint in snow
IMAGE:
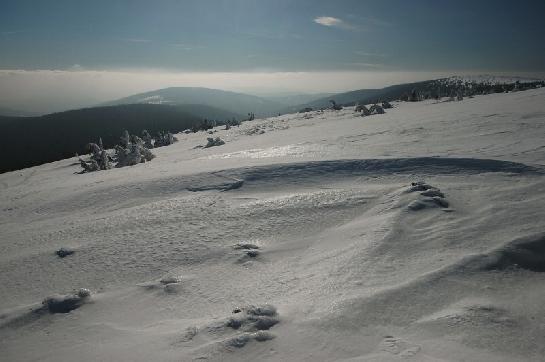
(399, 347)
(247, 324)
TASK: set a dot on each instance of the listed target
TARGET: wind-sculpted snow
(230, 185)
(292, 173)
(423, 165)
(525, 253)
(464, 278)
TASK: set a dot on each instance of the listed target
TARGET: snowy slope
(353, 272)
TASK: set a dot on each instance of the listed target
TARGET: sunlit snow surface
(302, 150)
(301, 225)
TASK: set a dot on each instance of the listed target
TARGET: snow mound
(468, 312)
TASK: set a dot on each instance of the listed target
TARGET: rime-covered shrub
(214, 142)
(135, 153)
(130, 151)
(148, 140)
(376, 109)
(165, 139)
(386, 105)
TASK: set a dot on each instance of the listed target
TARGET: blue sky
(274, 35)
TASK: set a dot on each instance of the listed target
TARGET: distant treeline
(31, 141)
(457, 88)
(415, 91)
(440, 88)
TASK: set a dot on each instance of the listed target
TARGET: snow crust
(341, 267)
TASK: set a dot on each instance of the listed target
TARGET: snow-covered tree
(147, 139)
(135, 153)
(460, 95)
(335, 106)
(376, 109)
(130, 151)
(104, 163)
(125, 139)
(165, 139)
(95, 151)
(89, 166)
(363, 109)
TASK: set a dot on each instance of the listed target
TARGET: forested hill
(31, 141)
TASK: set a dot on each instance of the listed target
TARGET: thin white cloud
(362, 23)
(328, 21)
(332, 22)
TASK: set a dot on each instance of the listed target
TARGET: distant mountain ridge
(297, 98)
(230, 101)
(9, 112)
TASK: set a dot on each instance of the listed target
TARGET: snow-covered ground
(342, 268)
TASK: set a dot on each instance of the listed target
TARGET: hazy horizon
(43, 91)
(58, 55)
